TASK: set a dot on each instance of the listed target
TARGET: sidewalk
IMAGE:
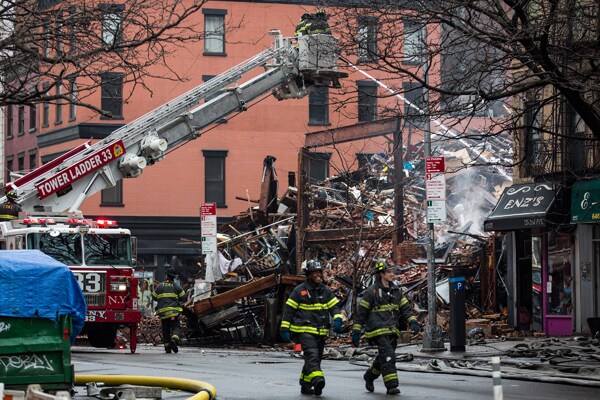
(571, 360)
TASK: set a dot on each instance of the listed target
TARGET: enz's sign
(76, 171)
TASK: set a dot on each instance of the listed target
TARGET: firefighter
(11, 209)
(381, 311)
(320, 23)
(168, 296)
(306, 317)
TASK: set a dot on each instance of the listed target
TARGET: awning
(585, 201)
(521, 207)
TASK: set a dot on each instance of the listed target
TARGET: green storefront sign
(585, 201)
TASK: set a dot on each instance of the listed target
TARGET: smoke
(469, 190)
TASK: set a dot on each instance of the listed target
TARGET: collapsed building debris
(345, 221)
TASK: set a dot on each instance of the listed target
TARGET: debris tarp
(34, 285)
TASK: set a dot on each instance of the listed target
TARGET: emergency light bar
(106, 223)
(38, 221)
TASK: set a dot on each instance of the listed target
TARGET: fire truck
(101, 254)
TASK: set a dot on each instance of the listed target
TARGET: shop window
(560, 274)
(214, 31)
(214, 177)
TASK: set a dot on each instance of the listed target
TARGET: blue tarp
(33, 284)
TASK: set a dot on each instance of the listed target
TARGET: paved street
(273, 375)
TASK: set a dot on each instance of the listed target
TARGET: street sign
(435, 178)
(208, 221)
(436, 211)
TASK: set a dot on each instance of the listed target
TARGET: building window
(214, 31)
(214, 176)
(21, 120)
(32, 118)
(59, 32)
(113, 196)
(533, 135)
(73, 29)
(46, 37)
(367, 101)
(9, 121)
(415, 47)
(45, 108)
(59, 89)
(112, 95)
(32, 160)
(9, 167)
(414, 104)
(367, 39)
(318, 167)
(112, 23)
(318, 106)
(21, 163)
(72, 99)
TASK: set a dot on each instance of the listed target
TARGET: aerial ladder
(292, 68)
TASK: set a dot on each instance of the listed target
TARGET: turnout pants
(312, 346)
(385, 362)
(171, 330)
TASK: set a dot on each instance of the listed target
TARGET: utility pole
(432, 335)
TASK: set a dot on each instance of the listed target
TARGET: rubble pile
(351, 219)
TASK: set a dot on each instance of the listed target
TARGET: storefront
(585, 213)
(540, 256)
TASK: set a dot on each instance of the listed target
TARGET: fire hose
(203, 390)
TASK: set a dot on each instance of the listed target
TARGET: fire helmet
(12, 195)
(381, 265)
(311, 266)
(172, 272)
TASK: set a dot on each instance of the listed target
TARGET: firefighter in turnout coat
(306, 318)
(168, 296)
(381, 312)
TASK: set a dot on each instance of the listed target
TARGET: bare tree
(45, 44)
(465, 61)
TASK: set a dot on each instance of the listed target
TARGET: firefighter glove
(414, 327)
(285, 335)
(337, 325)
(355, 338)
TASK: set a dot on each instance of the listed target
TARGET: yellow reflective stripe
(385, 307)
(332, 302)
(390, 377)
(375, 371)
(382, 331)
(181, 294)
(365, 304)
(166, 295)
(291, 303)
(412, 318)
(285, 324)
(403, 301)
(337, 316)
(357, 327)
(165, 309)
(312, 375)
(6, 216)
(309, 329)
(312, 307)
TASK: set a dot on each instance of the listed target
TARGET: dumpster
(42, 309)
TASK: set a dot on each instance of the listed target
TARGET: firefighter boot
(306, 389)
(173, 346)
(393, 390)
(369, 381)
(319, 385)
(168, 348)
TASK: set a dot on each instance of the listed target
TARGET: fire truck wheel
(103, 338)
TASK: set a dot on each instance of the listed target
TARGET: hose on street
(203, 390)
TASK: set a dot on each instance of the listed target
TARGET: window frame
(210, 156)
(215, 36)
(110, 14)
(533, 132)
(106, 79)
(32, 157)
(367, 101)
(20, 120)
(318, 107)
(418, 48)
(112, 196)
(58, 106)
(9, 121)
(32, 118)
(367, 29)
(318, 159)
(412, 117)
(72, 98)
(45, 107)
